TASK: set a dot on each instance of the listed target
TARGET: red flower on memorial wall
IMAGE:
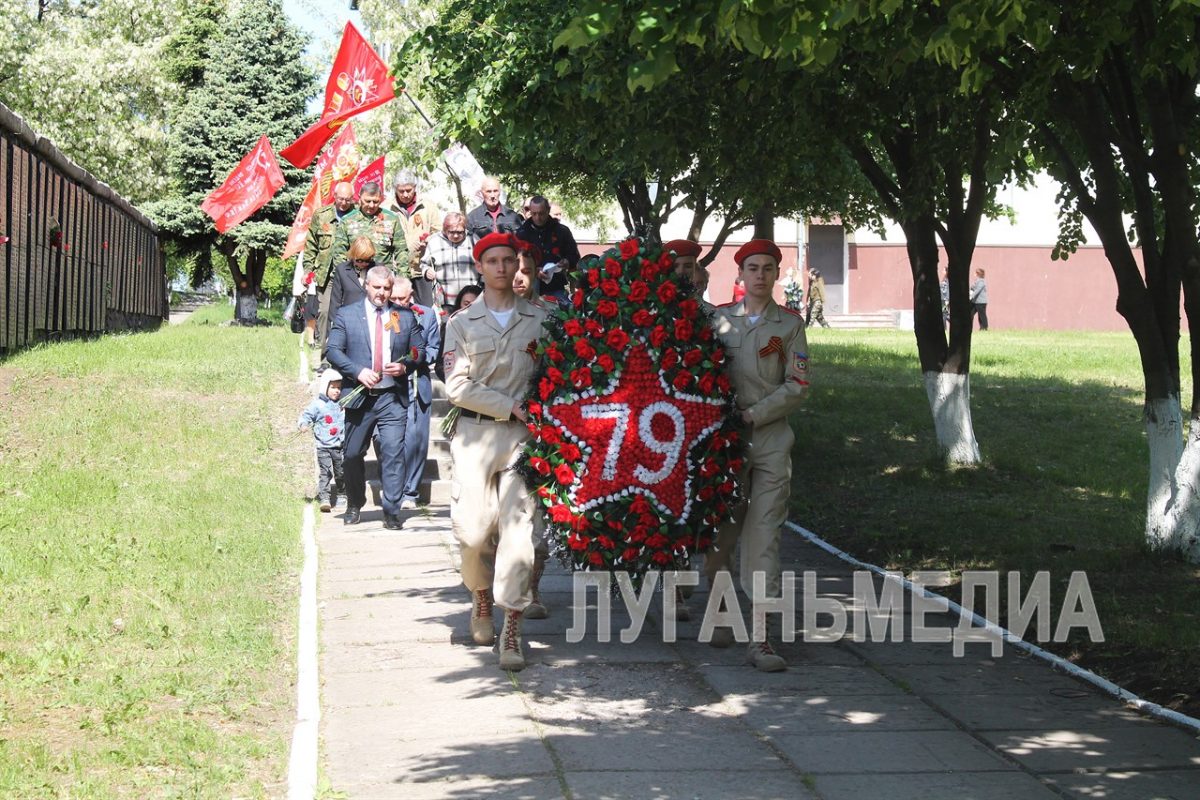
(635, 449)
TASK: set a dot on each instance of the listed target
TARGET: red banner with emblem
(371, 172)
(338, 163)
(299, 231)
(253, 182)
(359, 81)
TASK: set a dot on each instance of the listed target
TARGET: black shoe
(353, 516)
(392, 522)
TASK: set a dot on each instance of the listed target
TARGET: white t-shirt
(501, 317)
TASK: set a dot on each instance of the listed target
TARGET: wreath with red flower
(636, 449)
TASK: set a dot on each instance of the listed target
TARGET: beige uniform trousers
(766, 480)
(492, 510)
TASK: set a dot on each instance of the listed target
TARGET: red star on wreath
(637, 438)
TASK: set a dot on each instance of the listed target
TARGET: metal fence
(78, 258)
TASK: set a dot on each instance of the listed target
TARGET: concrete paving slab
(452, 686)
(929, 786)
(908, 652)
(445, 585)
(397, 656)
(999, 677)
(511, 788)
(371, 621)
(772, 715)
(626, 748)
(1128, 785)
(808, 682)
(385, 760)
(1076, 708)
(1115, 748)
(345, 570)
(556, 651)
(799, 656)
(859, 752)
(688, 785)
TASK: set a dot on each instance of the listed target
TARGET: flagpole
(417, 106)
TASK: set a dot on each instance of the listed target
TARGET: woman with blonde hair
(979, 299)
(349, 278)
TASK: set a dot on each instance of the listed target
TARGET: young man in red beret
(768, 364)
(687, 265)
(488, 370)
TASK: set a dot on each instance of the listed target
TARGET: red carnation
(577, 298)
(550, 434)
(682, 381)
(606, 363)
(560, 513)
(629, 554)
(541, 465)
(639, 534)
(328, 420)
(333, 431)
(593, 278)
(575, 541)
(573, 327)
(648, 519)
(690, 308)
(584, 350)
(638, 291)
(581, 378)
(661, 558)
(570, 452)
(543, 492)
(564, 474)
(726, 487)
(596, 558)
(643, 318)
(594, 328)
(693, 357)
(723, 383)
(666, 292)
(658, 336)
(735, 464)
(649, 272)
(554, 354)
(657, 541)
(612, 268)
(706, 334)
(705, 494)
(605, 542)
(709, 468)
(706, 383)
(628, 248)
(607, 308)
(718, 356)
(535, 409)
(670, 358)
(640, 505)
(545, 388)
(617, 339)
(611, 288)
(555, 375)
(665, 261)
(683, 329)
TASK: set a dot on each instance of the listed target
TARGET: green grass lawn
(149, 518)
(1058, 417)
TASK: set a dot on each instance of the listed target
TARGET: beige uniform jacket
(488, 369)
(768, 360)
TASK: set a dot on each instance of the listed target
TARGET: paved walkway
(412, 709)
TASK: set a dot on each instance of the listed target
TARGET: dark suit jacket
(344, 287)
(431, 327)
(350, 346)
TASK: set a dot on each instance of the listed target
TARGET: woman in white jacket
(979, 299)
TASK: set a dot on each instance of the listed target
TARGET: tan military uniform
(768, 365)
(385, 231)
(318, 250)
(487, 370)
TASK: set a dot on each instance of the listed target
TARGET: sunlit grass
(1058, 417)
(148, 543)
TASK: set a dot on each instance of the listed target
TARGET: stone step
(434, 492)
(877, 319)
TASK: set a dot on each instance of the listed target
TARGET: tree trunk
(245, 292)
(950, 401)
(764, 224)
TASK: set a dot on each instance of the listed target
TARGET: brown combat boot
(482, 629)
(537, 609)
(511, 658)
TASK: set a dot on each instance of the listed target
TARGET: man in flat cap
(489, 366)
(768, 364)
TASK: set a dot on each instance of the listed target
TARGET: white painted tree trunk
(1173, 498)
(950, 401)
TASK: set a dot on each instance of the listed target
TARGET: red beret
(758, 247)
(683, 247)
(494, 240)
(534, 251)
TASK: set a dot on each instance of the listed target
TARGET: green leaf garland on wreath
(636, 445)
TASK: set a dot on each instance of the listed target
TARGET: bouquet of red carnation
(636, 445)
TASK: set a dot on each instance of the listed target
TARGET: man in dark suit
(416, 435)
(375, 345)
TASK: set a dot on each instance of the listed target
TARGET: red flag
(338, 163)
(299, 232)
(253, 182)
(359, 81)
(371, 172)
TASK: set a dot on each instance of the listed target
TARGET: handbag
(295, 315)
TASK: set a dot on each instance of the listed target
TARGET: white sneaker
(408, 505)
